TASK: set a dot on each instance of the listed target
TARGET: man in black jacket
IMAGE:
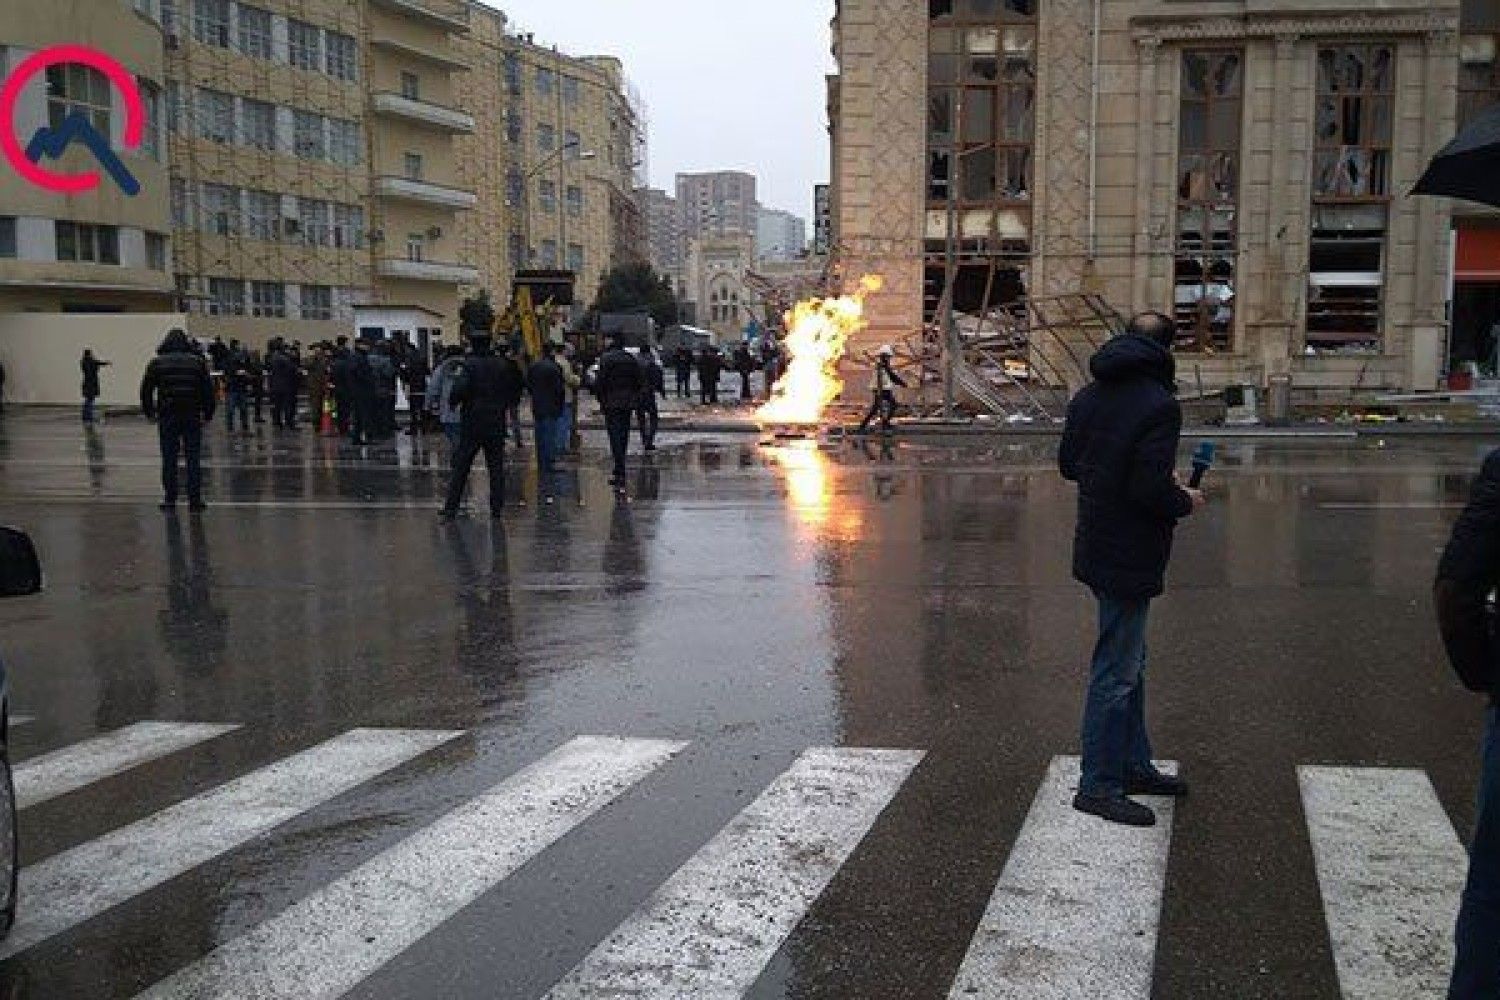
(682, 364)
(647, 414)
(619, 386)
(1467, 575)
(487, 387)
(1120, 447)
(549, 397)
(363, 394)
(178, 393)
(285, 381)
(341, 374)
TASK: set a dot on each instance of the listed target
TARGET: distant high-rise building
(717, 204)
(779, 235)
(663, 233)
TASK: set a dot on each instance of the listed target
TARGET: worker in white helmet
(883, 385)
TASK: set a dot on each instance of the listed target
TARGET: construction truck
(536, 299)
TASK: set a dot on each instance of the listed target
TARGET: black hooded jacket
(1120, 447)
(177, 383)
(1467, 575)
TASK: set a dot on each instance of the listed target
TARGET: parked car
(20, 575)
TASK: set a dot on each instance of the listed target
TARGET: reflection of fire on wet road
(818, 331)
(808, 473)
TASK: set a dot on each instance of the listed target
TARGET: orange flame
(817, 332)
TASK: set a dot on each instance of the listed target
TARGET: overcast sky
(728, 86)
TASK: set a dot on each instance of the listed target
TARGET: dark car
(20, 575)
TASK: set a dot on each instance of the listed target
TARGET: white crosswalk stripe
(1391, 871)
(71, 768)
(329, 942)
(712, 927)
(69, 888)
(1076, 909)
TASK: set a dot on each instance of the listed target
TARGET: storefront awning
(1478, 256)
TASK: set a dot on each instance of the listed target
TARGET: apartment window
(315, 220)
(546, 80)
(513, 127)
(8, 236)
(156, 251)
(215, 116)
(182, 209)
(416, 247)
(549, 254)
(575, 257)
(546, 138)
(226, 297)
(267, 298)
(73, 88)
(221, 210)
(411, 86)
(257, 123)
(317, 302)
(262, 215)
(255, 31)
(1478, 75)
(306, 44)
(211, 22)
(515, 189)
(345, 145)
(1351, 196)
(570, 90)
(515, 245)
(1208, 198)
(413, 166)
(348, 227)
(573, 143)
(548, 197)
(575, 200)
(85, 243)
(174, 107)
(308, 139)
(151, 135)
(512, 73)
(343, 56)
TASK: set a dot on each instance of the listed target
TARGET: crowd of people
(709, 362)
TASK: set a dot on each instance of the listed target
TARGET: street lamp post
(547, 161)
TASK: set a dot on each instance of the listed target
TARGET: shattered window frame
(1210, 124)
(1349, 222)
(1478, 74)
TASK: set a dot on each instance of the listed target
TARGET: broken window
(1350, 197)
(1207, 248)
(1478, 75)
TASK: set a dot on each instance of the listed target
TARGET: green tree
(635, 288)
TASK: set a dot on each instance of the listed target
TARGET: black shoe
(169, 506)
(1115, 810)
(1156, 784)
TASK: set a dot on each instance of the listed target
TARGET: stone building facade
(1241, 165)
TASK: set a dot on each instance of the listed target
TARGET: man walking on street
(487, 388)
(1120, 447)
(90, 366)
(619, 385)
(341, 375)
(648, 417)
(682, 364)
(237, 388)
(884, 388)
(414, 374)
(710, 364)
(1467, 575)
(285, 379)
(178, 393)
(363, 394)
(549, 398)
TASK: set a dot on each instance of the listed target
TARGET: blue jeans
(452, 432)
(1476, 973)
(88, 409)
(546, 443)
(237, 402)
(1115, 745)
(564, 430)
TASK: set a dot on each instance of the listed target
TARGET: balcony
(424, 192)
(438, 13)
(434, 115)
(433, 55)
(427, 270)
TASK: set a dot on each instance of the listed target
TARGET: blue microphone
(1203, 460)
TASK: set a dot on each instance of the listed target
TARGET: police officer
(178, 394)
(487, 388)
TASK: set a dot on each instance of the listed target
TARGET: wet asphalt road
(752, 602)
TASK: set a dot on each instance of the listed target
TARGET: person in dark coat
(1120, 447)
(1467, 575)
(744, 363)
(770, 361)
(218, 353)
(90, 366)
(384, 368)
(548, 385)
(710, 364)
(619, 385)
(363, 394)
(682, 365)
(178, 393)
(257, 383)
(486, 388)
(341, 376)
(647, 415)
(237, 379)
(285, 380)
(414, 374)
(514, 349)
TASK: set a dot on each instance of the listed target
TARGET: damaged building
(1241, 165)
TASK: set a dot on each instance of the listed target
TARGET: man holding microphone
(1120, 447)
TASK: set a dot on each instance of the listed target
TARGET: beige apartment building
(313, 166)
(1241, 164)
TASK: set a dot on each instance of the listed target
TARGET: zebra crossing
(1075, 911)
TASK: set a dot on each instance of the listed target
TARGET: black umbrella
(1469, 166)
